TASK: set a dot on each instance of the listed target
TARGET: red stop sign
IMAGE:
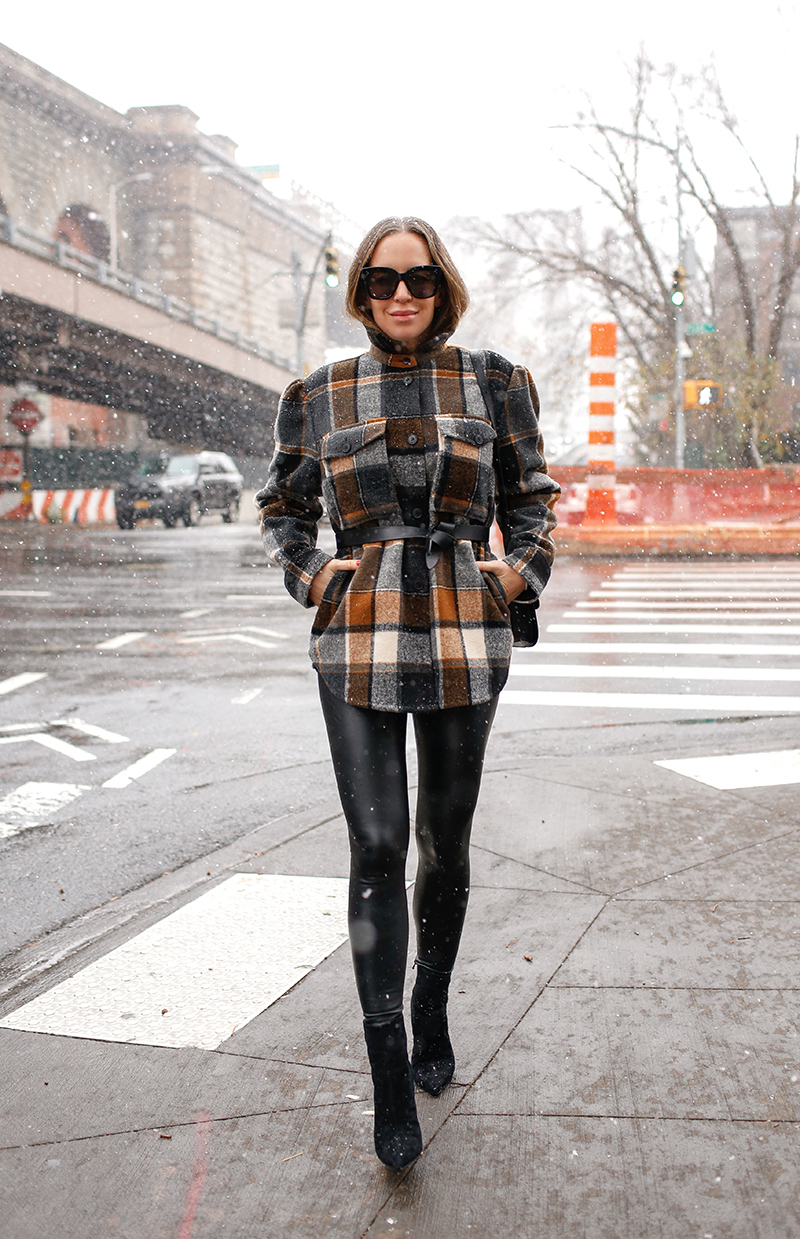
(24, 415)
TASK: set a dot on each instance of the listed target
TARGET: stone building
(150, 194)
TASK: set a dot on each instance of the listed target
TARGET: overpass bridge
(143, 269)
(75, 327)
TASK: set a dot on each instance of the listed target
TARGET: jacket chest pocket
(464, 483)
(356, 479)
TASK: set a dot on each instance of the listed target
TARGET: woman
(412, 617)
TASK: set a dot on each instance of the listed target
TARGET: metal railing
(101, 272)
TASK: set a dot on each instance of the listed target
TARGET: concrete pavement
(625, 1016)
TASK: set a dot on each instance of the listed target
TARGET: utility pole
(678, 297)
(302, 296)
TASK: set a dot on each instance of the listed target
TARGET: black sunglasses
(381, 283)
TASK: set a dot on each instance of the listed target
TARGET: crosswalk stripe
(715, 615)
(652, 701)
(590, 671)
(626, 590)
(688, 649)
(202, 972)
(779, 630)
(685, 604)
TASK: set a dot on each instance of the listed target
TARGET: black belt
(436, 539)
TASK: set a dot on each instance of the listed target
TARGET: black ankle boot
(398, 1139)
(432, 1058)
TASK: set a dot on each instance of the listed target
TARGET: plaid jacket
(392, 439)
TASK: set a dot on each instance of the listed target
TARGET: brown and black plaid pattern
(397, 439)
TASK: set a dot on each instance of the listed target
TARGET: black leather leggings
(368, 748)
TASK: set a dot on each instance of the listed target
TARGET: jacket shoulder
(494, 364)
(324, 378)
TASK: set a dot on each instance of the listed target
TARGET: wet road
(157, 702)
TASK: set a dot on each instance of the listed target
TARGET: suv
(177, 488)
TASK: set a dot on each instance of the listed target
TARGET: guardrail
(89, 267)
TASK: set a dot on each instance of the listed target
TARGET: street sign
(700, 329)
(10, 465)
(24, 415)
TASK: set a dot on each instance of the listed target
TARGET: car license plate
(141, 503)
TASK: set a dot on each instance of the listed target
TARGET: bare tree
(625, 251)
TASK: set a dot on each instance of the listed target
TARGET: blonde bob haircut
(455, 298)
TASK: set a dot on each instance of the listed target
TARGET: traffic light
(702, 394)
(332, 267)
(678, 291)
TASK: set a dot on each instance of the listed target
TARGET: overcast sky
(434, 109)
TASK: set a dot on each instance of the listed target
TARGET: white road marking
(25, 593)
(203, 971)
(556, 670)
(664, 614)
(247, 697)
(140, 767)
(257, 599)
(20, 727)
(280, 596)
(632, 589)
(617, 604)
(687, 648)
(230, 636)
(196, 614)
(51, 742)
(778, 630)
(89, 729)
(32, 803)
(653, 701)
(116, 643)
(21, 681)
(740, 769)
(226, 632)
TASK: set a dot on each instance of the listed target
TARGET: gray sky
(437, 109)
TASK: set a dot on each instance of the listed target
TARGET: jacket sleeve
(289, 504)
(526, 494)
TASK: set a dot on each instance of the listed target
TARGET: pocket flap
(351, 439)
(472, 430)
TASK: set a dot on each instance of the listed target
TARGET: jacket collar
(391, 352)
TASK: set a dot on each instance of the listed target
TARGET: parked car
(182, 488)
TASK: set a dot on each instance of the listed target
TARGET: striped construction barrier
(600, 500)
(62, 507)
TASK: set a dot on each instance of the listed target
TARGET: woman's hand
(321, 581)
(509, 578)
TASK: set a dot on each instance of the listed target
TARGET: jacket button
(412, 439)
(417, 514)
(408, 379)
(406, 361)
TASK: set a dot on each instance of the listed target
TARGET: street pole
(680, 420)
(302, 298)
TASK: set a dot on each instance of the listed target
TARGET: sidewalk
(625, 1015)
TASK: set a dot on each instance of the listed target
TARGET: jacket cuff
(534, 568)
(299, 572)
